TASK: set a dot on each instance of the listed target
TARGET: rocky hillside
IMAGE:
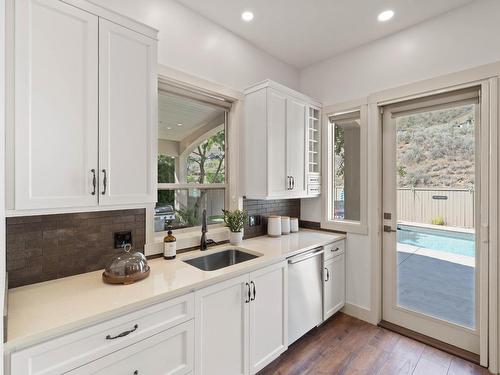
(436, 149)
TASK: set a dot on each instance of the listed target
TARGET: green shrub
(438, 220)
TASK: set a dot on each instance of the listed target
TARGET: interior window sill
(187, 238)
(345, 226)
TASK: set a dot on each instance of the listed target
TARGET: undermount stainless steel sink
(221, 259)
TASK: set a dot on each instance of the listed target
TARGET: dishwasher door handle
(308, 256)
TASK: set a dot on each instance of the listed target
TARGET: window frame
(328, 168)
(204, 186)
(189, 237)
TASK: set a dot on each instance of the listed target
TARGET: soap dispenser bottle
(169, 245)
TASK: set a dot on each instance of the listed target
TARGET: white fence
(455, 206)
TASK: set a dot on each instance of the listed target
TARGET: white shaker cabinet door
(296, 146)
(334, 285)
(268, 315)
(222, 328)
(56, 104)
(127, 116)
(276, 145)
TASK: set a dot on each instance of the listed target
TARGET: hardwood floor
(345, 345)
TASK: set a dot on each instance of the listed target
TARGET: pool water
(435, 239)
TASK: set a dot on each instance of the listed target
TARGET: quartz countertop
(42, 311)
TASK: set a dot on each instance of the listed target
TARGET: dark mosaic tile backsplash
(46, 247)
(264, 208)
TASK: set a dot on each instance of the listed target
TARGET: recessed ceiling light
(386, 15)
(179, 124)
(247, 16)
(169, 128)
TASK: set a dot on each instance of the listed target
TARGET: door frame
(487, 73)
(470, 339)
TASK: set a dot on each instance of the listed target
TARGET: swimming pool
(436, 239)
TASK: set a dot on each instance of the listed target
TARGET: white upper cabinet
(127, 108)
(56, 104)
(277, 146)
(85, 107)
(296, 146)
(276, 142)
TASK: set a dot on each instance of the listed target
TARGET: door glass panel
(436, 256)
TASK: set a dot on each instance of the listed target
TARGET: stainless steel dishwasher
(305, 293)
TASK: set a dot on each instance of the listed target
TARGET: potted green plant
(235, 221)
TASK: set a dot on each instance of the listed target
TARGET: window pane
(205, 164)
(184, 207)
(191, 141)
(346, 169)
(166, 169)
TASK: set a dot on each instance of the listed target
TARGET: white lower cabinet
(170, 352)
(235, 327)
(334, 280)
(268, 315)
(241, 323)
(77, 349)
(221, 316)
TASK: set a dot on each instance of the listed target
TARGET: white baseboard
(360, 312)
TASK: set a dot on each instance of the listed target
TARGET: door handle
(293, 183)
(94, 181)
(308, 256)
(248, 288)
(388, 229)
(289, 183)
(327, 274)
(254, 291)
(104, 181)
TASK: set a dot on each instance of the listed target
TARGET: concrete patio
(437, 283)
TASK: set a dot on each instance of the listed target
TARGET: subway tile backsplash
(46, 247)
(264, 208)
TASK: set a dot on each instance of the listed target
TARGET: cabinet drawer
(313, 189)
(76, 349)
(314, 179)
(169, 352)
(334, 249)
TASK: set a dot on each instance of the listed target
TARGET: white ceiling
(302, 32)
(173, 110)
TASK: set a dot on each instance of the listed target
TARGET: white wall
(195, 45)
(461, 39)
(464, 38)
(2, 166)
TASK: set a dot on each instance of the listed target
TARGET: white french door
(435, 217)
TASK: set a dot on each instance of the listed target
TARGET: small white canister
(274, 226)
(294, 224)
(285, 225)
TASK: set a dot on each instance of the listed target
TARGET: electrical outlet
(253, 220)
(122, 238)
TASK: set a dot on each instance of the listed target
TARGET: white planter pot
(235, 238)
